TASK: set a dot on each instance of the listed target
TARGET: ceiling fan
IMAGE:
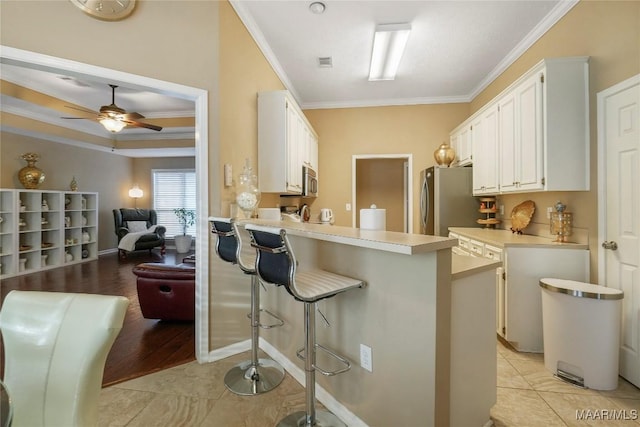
(114, 118)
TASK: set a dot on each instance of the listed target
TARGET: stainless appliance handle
(424, 202)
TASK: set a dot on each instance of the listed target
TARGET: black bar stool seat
(257, 375)
(276, 263)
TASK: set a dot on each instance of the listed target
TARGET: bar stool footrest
(331, 353)
(277, 323)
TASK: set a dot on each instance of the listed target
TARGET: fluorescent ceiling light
(389, 42)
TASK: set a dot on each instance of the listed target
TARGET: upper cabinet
(460, 141)
(286, 142)
(484, 144)
(541, 132)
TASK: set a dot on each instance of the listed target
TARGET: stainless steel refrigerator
(446, 200)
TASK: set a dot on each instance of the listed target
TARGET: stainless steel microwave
(309, 182)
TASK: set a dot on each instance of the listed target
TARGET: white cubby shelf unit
(42, 229)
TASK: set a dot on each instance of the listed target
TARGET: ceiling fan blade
(78, 118)
(86, 110)
(132, 116)
(142, 125)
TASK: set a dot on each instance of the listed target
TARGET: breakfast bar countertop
(389, 241)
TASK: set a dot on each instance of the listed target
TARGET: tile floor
(194, 395)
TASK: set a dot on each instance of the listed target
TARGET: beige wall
(184, 50)
(415, 129)
(381, 182)
(244, 72)
(609, 33)
(61, 163)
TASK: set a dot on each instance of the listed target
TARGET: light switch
(228, 175)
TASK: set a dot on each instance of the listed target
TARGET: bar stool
(277, 264)
(253, 376)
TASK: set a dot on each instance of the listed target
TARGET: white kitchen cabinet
(484, 136)
(46, 229)
(526, 259)
(541, 135)
(286, 142)
(460, 141)
(521, 136)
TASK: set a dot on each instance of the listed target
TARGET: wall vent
(325, 62)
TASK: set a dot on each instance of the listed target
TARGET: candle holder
(561, 224)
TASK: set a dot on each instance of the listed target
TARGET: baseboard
(324, 397)
(107, 251)
(228, 351)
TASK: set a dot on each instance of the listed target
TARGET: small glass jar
(247, 191)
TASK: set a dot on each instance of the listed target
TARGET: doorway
(383, 180)
(39, 61)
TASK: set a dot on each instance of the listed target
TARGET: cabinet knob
(610, 245)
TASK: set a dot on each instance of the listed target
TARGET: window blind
(174, 188)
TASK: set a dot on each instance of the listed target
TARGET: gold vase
(444, 155)
(31, 176)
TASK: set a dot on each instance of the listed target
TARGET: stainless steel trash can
(581, 328)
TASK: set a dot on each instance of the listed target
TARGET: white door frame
(602, 170)
(408, 190)
(39, 61)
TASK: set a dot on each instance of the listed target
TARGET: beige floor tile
(170, 410)
(625, 390)
(590, 410)
(523, 408)
(117, 407)
(545, 381)
(509, 377)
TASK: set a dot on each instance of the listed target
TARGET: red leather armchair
(166, 292)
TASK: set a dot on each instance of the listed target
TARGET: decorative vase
(73, 185)
(444, 155)
(86, 238)
(23, 264)
(31, 176)
(68, 257)
(247, 192)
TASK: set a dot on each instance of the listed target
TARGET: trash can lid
(580, 289)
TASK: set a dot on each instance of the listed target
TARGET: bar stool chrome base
(299, 419)
(247, 379)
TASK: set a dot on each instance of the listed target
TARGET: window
(173, 188)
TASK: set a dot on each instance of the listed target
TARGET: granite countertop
(505, 238)
(390, 241)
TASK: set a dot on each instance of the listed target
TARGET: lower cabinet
(46, 229)
(525, 260)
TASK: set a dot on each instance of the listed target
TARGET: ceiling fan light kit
(112, 125)
(389, 42)
(114, 118)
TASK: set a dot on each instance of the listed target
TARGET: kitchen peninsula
(404, 315)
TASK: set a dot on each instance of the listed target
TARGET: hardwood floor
(143, 345)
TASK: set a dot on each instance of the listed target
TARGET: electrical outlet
(366, 358)
(348, 207)
(501, 209)
(549, 210)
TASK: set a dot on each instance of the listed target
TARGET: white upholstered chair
(56, 345)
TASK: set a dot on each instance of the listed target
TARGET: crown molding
(385, 102)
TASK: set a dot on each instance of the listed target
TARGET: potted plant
(186, 218)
